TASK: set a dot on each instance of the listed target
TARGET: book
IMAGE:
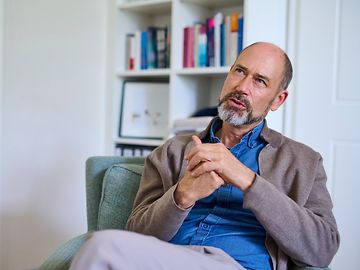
(227, 40)
(197, 28)
(168, 45)
(188, 53)
(137, 65)
(161, 47)
(152, 50)
(202, 49)
(144, 50)
(218, 19)
(222, 45)
(233, 38)
(240, 33)
(210, 25)
(130, 51)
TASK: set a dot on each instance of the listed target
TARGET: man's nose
(244, 85)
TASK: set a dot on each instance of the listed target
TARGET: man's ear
(279, 100)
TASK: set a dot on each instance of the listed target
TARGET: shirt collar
(252, 137)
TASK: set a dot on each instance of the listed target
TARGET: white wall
(1, 92)
(53, 119)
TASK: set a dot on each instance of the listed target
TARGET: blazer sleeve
(306, 233)
(155, 211)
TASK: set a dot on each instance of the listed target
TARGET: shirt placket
(210, 222)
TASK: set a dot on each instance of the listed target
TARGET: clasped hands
(210, 166)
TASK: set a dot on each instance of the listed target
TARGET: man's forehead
(265, 60)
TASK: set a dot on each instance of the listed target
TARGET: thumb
(196, 139)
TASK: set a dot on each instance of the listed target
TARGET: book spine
(185, 47)
(222, 45)
(196, 44)
(137, 65)
(191, 47)
(130, 51)
(234, 26)
(218, 19)
(210, 42)
(144, 43)
(168, 45)
(188, 56)
(240, 33)
(161, 47)
(227, 40)
(151, 47)
(202, 46)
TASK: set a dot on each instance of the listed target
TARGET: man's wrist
(245, 180)
(248, 181)
(181, 199)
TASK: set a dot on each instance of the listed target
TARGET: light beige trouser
(122, 250)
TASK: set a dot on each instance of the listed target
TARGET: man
(239, 195)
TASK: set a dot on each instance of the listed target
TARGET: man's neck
(231, 136)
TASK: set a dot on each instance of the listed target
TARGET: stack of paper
(191, 124)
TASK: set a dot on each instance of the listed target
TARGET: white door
(325, 108)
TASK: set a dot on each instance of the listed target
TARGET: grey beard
(233, 117)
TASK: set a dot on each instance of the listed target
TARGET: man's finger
(196, 139)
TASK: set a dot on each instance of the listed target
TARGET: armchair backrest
(100, 213)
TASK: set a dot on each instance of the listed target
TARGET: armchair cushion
(120, 184)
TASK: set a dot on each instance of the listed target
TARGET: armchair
(111, 185)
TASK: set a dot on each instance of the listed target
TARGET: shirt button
(205, 226)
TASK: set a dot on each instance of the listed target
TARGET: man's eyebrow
(262, 77)
(257, 75)
(240, 66)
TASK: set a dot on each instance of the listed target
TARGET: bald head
(287, 71)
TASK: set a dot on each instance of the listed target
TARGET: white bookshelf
(146, 6)
(161, 72)
(203, 71)
(133, 141)
(190, 89)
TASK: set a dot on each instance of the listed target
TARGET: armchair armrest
(63, 255)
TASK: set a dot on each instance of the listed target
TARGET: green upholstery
(115, 204)
(95, 171)
(111, 185)
(62, 256)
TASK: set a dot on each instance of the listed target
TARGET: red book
(188, 54)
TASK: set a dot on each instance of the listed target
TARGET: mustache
(239, 96)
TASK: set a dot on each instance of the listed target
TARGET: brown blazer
(289, 198)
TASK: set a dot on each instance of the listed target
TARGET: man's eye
(260, 82)
(239, 71)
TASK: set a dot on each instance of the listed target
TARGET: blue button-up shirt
(220, 220)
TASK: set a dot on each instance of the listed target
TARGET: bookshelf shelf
(203, 71)
(161, 73)
(136, 141)
(147, 6)
(215, 4)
